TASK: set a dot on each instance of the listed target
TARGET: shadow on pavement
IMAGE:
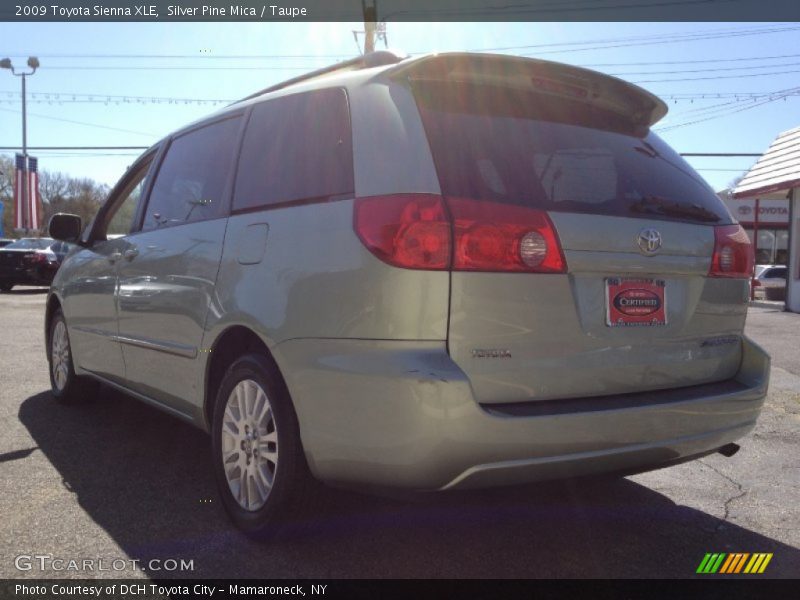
(145, 478)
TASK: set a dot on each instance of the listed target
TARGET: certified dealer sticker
(635, 302)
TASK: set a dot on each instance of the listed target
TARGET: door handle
(131, 253)
(114, 256)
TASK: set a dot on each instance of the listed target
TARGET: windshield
(514, 147)
(31, 244)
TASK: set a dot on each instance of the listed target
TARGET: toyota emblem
(649, 241)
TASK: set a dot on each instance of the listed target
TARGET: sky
(731, 87)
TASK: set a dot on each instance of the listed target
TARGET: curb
(773, 304)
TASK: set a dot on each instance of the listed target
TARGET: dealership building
(767, 203)
(772, 245)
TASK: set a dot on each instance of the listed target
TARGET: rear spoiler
(540, 76)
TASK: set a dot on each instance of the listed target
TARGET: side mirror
(65, 227)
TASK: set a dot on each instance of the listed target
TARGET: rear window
(778, 272)
(30, 244)
(516, 147)
(297, 148)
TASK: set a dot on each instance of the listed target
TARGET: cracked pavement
(117, 479)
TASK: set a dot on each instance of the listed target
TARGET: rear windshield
(514, 147)
(31, 244)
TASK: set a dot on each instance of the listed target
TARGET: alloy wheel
(249, 445)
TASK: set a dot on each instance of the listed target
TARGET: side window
(296, 147)
(121, 219)
(191, 181)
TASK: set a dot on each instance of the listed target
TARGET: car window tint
(296, 148)
(191, 180)
(775, 273)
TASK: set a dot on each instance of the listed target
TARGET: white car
(770, 282)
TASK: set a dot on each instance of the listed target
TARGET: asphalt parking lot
(115, 479)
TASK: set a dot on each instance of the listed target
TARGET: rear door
(168, 269)
(635, 309)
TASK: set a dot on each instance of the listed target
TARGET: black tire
(292, 483)
(74, 388)
(6, 287)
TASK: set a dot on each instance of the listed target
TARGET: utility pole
(33, 63)
(370, 11)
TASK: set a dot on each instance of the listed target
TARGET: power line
(654, 40)
(691, 154)
(721, 154)
(173, 68)
(712, 69)
(187, 56)
(712, 78)
(688, 62)
(83, 123)
(74, 97)
(648, 39)
(730, 112)
(76, 147)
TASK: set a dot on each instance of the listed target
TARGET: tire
(66, 386)
(6, 287)
(257, 435)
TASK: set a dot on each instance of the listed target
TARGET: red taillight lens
(499, 237)
(733, 252)
(405, 230)
(415, 231)
(35, 258)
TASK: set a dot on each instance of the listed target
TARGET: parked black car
(30, 261)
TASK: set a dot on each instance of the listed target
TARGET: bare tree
(59, 192)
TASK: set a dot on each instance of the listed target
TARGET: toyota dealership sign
(770, 212)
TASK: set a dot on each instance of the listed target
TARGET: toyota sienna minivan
(433, 273)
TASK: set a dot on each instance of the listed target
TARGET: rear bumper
(402, 414)
(42, 275)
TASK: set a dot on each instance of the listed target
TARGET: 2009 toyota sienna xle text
(431, 273)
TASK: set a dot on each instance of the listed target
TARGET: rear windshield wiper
(659, 206)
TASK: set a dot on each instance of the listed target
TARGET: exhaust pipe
(729, 450)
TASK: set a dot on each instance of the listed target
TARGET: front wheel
(67, 387)
(258, 459)
(6, 287)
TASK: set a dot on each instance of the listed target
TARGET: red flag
(19, 177)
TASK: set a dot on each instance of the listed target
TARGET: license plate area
(635, 302)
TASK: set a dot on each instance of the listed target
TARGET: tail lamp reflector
(733, 253)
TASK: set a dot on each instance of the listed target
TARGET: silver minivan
(433, 273)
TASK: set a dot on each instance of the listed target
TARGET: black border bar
(399, 10)
(712, 587)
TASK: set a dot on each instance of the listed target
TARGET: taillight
(405, 230)
(490, 236)
(417, 231)
(733, 252)
(36, 258)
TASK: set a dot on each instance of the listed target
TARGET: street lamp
(33, 64)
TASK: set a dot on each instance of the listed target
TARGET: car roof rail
(378, 58)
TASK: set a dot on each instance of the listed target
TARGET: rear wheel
(6, 287)
(67, 387)
(258, 459)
